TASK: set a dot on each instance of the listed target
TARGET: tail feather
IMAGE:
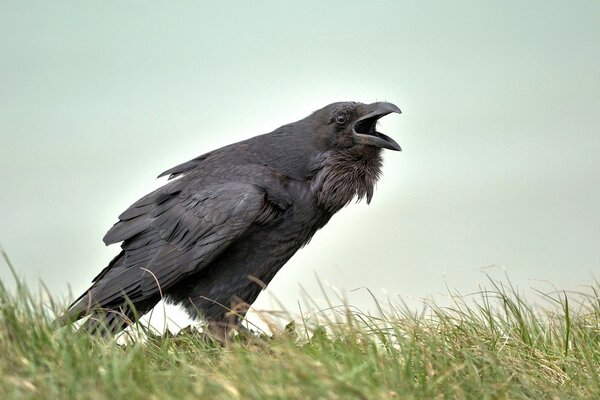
(107, 320)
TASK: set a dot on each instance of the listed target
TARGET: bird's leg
(219, 331)
(223, 329)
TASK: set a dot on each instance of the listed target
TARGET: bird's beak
(364, 128)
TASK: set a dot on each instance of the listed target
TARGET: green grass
(496, 347)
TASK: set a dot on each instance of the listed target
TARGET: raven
(213, 238)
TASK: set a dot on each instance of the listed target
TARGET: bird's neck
(346, 174)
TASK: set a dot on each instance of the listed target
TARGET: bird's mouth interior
(367, 126)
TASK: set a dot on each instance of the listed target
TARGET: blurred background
(500, 171)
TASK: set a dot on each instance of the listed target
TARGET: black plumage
(212, 238)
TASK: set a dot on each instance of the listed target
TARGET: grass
(494, 347)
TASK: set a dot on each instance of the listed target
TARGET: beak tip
(389, 107)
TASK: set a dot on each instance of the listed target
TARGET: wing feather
(170, 234)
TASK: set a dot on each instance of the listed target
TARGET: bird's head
(350, 124)
(341, 133)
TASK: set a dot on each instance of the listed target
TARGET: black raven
(211, 239)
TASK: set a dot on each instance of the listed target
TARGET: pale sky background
(500, 131)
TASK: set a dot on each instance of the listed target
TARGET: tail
(98, 321)
(104, 319)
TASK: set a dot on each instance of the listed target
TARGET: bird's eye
(340, 119)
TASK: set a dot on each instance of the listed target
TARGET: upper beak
(364, 127)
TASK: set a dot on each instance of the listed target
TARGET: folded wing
(170, 234)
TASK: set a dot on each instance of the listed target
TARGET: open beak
(364, 128)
